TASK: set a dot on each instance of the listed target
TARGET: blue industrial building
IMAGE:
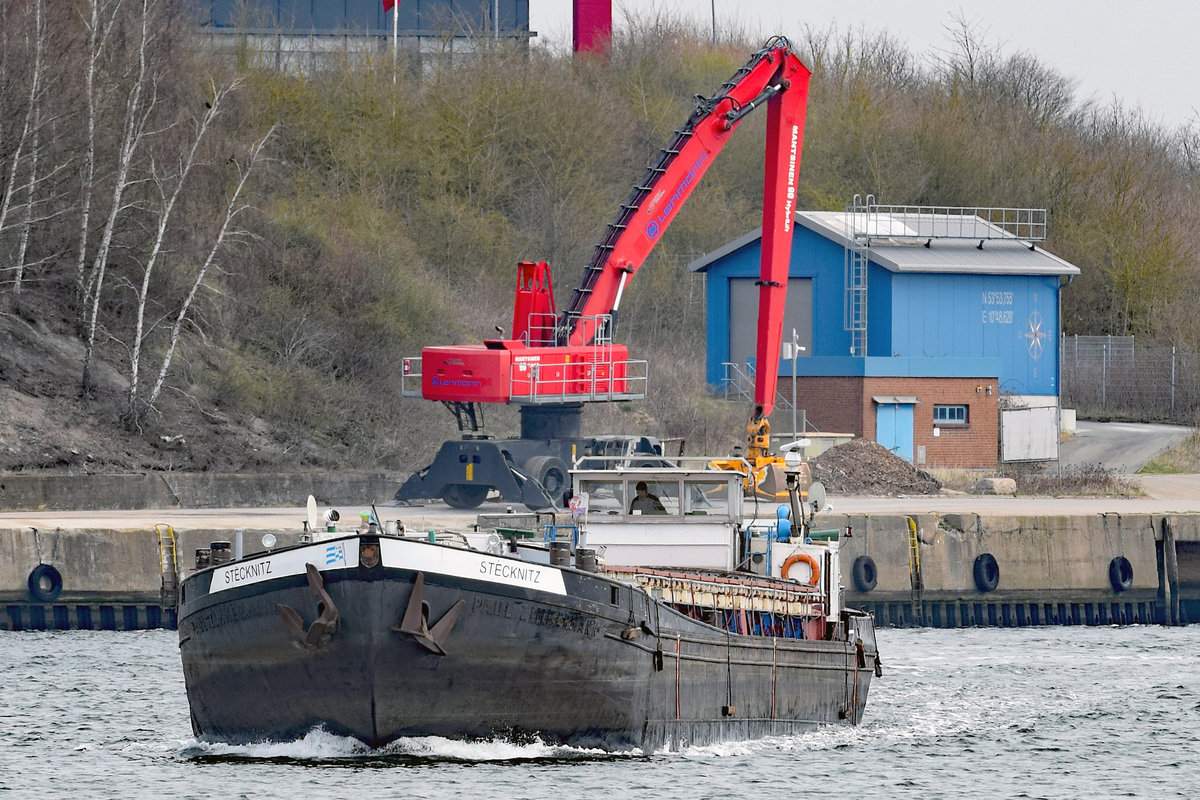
(933, 331)
(417, 18)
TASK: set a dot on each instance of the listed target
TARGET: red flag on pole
(388, 5)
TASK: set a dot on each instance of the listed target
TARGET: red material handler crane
(554, 362)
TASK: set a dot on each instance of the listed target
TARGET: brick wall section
(844, 405)
(831, 404)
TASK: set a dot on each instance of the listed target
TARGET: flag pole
(395, 39)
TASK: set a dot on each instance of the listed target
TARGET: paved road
(1123, 447)
(1185, 500)
(414, 517)
(1126, 447)
(1169, 487)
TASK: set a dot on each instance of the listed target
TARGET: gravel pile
(859, 467)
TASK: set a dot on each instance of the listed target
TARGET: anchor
(321, 631)
(416, 619)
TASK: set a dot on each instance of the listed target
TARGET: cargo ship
(639, 624)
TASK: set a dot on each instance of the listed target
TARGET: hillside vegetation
(210, 263)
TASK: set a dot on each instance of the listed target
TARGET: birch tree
(236, 206)
(98, 26)
(169, 187)
(138, 110)
(25, 149)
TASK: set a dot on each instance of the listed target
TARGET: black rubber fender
(987, 572)
(45, 583)
(865, 575)
(1120, 573)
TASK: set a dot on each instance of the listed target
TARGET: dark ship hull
(388, 638)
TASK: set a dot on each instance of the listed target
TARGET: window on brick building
(950, 415)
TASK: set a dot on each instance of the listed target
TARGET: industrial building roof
(937, 244)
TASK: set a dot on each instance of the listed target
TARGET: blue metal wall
(1010, 317)
(303, 17)
(919, 324)
(812, 256)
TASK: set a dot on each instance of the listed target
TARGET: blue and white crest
(335, 554)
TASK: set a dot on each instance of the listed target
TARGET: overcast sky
(1140, 53)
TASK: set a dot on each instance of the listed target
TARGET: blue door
(894, 428)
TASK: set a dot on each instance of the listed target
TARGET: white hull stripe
(413, 555)
(471, 564)
(323, 555)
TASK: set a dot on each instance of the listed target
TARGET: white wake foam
(320, 745)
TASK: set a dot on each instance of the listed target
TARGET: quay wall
(1049, 569)
(21, 492)
(109, 566)
(110, 579)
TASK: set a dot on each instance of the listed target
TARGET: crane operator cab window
(656, 499)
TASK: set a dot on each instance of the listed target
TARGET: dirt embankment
(46, 426)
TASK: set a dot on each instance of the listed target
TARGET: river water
(1026, 712)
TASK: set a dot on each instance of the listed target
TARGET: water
(1021, 713)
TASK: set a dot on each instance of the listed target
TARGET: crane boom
(774, 76)
(552, 363)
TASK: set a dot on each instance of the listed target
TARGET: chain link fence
(1114, 376)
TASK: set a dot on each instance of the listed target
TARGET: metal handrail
(738, 380)
(635, 376)
(620, 464)
(885, 222)
(410, 377)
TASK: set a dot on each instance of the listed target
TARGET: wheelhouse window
(704, 498)
(950, 415)
(605, 497)
(653, 496)
(701, 498)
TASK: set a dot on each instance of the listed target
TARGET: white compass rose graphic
(1035, 335)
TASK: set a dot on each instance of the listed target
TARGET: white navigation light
(268, 540)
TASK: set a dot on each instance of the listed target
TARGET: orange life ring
(796, 558)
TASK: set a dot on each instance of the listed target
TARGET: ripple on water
(1051, 712)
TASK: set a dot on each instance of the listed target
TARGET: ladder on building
(168, 563)
(858, 258)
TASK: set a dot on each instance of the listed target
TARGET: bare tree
(969, 58)
(169, 186)
(139, 107)
(237, 205)
(99, 26)
(26, 144)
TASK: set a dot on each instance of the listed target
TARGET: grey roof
(906, 251)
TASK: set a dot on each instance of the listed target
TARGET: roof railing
(978, 223)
